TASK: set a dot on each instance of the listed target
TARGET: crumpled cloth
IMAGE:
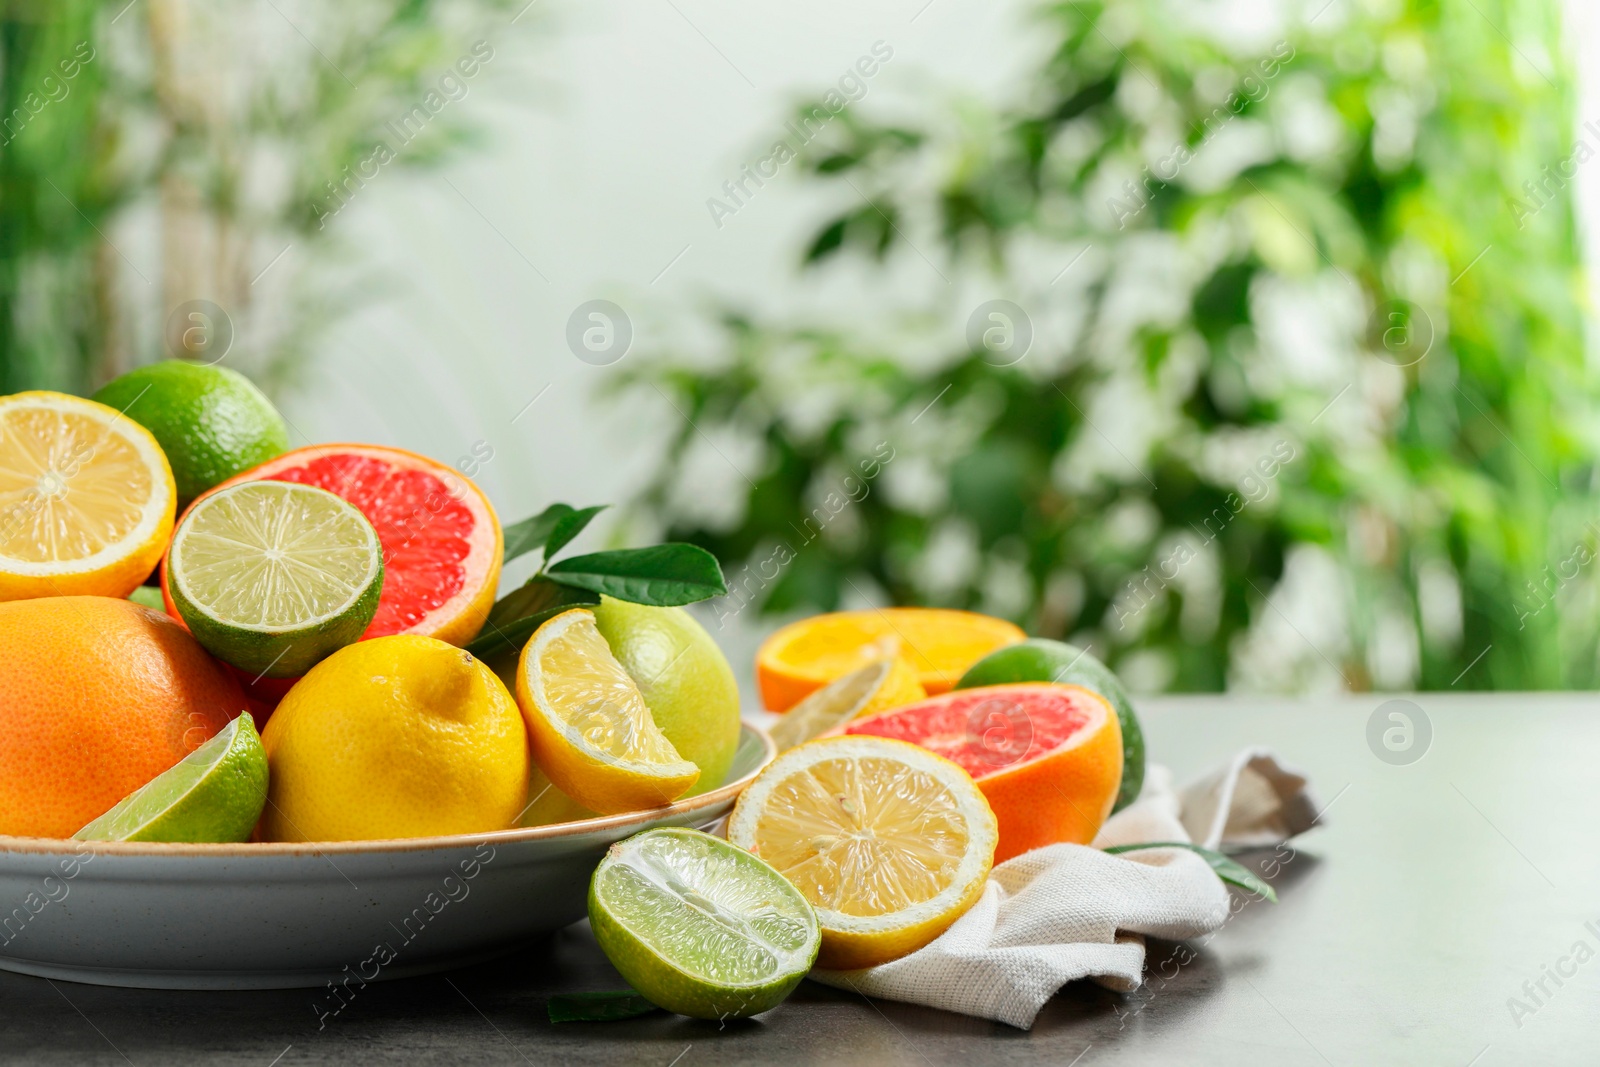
(1072, 911)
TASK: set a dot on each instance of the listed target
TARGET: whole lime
(684, 678)
(210, 421)
(1039, 659)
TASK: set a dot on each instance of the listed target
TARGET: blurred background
(1246, 342)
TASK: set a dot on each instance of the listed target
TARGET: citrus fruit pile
(173, 577)
(917, 747)
(212, 638)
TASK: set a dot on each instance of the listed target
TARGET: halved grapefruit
(1048, 757)
(441, 538)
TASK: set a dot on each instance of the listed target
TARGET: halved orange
(939, 644)
(441, 538)
(1048, 757)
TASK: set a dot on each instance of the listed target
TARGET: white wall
(609, 126)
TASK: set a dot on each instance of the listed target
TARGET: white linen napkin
(1072, 911)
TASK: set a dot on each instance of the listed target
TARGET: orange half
(939, 644)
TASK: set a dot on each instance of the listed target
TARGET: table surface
(1406, 928)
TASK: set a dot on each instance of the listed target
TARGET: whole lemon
(684, 678)
(399, 736)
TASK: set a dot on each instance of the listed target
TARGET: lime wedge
(699, 926)
(275, 576)
(215, 793)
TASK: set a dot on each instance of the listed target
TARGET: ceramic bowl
(337, 914)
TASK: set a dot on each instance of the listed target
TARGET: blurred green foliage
(1307, 402)
(194, 142)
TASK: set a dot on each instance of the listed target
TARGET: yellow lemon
(890, 843)
(400, 736)
(684, 678)
(86, 498)
(589, 727)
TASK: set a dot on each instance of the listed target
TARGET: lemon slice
(86, 498)
(888, 683)
(274, 577)
(590, 729)
(890, 843)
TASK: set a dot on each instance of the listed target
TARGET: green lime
(274, 576)
(148, 596)
(684, 678)
(210, 421)
(215, 793)
(699, 926)
(1039, 659)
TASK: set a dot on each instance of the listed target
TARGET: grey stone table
(1442, 916)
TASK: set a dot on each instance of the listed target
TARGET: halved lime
(274, 576)
(699, 926)
(215, 793)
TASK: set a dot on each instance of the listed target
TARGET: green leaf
(525, 536)
(568, 527)
(1229, 871)
(663, 575)
(516, 615)
(828, 241)
(602, 1007)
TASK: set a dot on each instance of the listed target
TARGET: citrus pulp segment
(888, 683)
(938, 643)
(700, 927)
(86, 498)
(1048, 757)
(889, 842)
(588, 724)
(215, 793)
(272, 577)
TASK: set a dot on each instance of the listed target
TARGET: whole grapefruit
(97, 697)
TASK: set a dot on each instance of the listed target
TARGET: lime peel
(699, 926)
(214, 794)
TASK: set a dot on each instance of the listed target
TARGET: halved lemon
(591, 732)
(888, 683)
(86, 498)
(890, 843)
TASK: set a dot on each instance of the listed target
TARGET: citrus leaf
(525, 536)
(570, 526)
(598, 1007)
(663, 575)
(1229, 871)
(516, 615)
